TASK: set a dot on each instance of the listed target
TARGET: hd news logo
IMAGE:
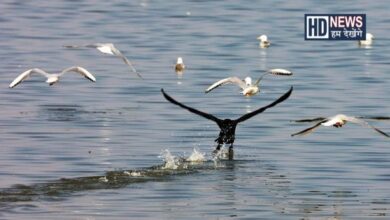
(335, 26)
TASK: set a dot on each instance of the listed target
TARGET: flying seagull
(227, 126)
(51, 78)
(264, 43)
(338, 121)
(248, 89)
(179, 67)
(107, 48)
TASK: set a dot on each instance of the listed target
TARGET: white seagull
(337, 121)
(368, 41)
(248, 89)
(179, 67)
(51, 78)
(264, 43)
(107, 48)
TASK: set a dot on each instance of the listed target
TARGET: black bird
(227, 126)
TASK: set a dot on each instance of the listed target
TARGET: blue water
(58, 142)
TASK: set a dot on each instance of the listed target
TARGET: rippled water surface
(82, 150)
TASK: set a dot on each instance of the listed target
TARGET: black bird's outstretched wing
(203, 114)
(260, 110)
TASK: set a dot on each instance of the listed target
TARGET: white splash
(217, 158)
(223, 154)
(196, 156)
(103, 179)
(132, 173)
(170, 161)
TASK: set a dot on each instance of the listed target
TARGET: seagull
(179, 67)
(338, 121)
(107, 48)
(368, 41)
(248, 89)
(52, 78)
(264, 43)
(227, 126)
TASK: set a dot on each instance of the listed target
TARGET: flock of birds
(248, 88)
(51, 79)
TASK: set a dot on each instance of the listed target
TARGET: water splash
(103, 179)
(172, 166)
(132, 173)
(222, 154)
(170, 161)
(196, 156)
(179, 162)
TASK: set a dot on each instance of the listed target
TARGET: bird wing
(200, 113)
(112, 51)
(228, 80)
(260, 78)
(374, 117)
(25, 75)
(79, 70)
(279, 72)
(365, 124)
(84, 45)
(118, 53)
(95, 46)
(130, 65)
(260, 110)
(73, 46)
(310, 129)
(311, 119)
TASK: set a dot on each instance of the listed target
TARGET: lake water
(82, 150)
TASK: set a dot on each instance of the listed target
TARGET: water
(82, 150)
